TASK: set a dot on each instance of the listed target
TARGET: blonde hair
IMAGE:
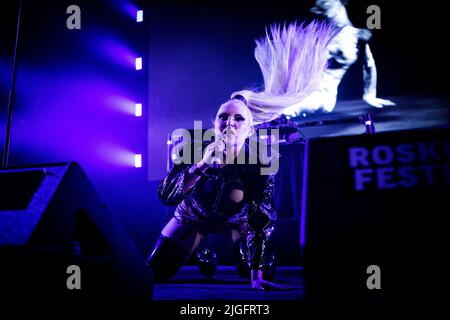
(292, 60)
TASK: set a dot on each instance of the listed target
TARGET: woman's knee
(166, 258)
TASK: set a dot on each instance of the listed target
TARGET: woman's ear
(251, 131)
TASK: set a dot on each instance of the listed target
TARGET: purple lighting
(115, 51)
(116, 155)
(130, 8)
(120, 104)
(89, 127)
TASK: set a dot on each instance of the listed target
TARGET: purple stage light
(115, 51)
(138, 161)
(83, 122)
(138, 110)
(120, 104)
(130, 8)
(138, 63)
(116, 155)
(140, 16)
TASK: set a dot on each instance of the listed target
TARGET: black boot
(166, 258)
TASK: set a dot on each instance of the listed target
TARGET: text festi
(227, 310)
(405, 165)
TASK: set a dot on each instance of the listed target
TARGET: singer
(213, 195)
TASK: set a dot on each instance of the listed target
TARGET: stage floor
(190, 284)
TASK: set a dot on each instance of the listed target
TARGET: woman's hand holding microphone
(213, 156)
(215, 153)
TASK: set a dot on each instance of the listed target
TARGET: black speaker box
(52, 219)
(377, 200)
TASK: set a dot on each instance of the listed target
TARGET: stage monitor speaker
(376, 216)
(59, 240)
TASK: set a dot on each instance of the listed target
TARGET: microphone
(215, 160)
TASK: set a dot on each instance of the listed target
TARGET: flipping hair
(292, 60)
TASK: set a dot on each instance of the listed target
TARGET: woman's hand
(377, 102)
(214, 150)
(260, 284)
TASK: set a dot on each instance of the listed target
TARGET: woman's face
(235, 120)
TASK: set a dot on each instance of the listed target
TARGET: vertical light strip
(138, 63)
(138, 161)
(138, 110)
(140, 16)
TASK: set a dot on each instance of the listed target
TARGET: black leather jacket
(208, 203)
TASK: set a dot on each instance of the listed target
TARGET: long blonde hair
(292, 60)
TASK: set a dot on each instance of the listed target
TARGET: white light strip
(138, 110)
(140, 16)
(138, 63)
(138, 160)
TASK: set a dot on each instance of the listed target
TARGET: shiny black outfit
(208, 206)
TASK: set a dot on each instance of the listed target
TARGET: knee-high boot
(166, 258)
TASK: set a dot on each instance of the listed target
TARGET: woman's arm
(369, 74)
(178, 182)
(370, 81)
(194, 174)
(171, 189)
(182, 177)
